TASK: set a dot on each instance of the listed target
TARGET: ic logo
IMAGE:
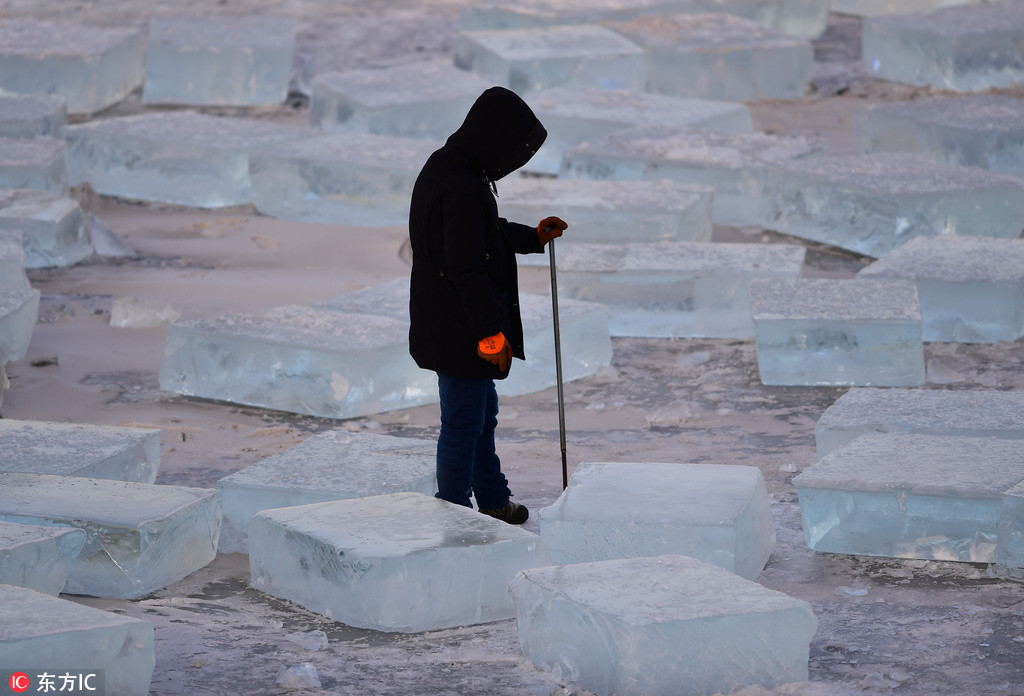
(18, 682)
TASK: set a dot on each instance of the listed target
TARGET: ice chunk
(660, 625)
(38, 557)
(873, 8)
(735, 165)
(12, 260)
(329, 466)
(180, 157)
(33, 163)
(141, 537)
(719, 514)
(527, 60)
(32, 116)
(871, 204)
(19, 311)
(227, 61)
(719, 56)
(403, 562)
(75, 449)
(979, 130)
(967, 48)
(1010, 534)
(427, 99)
(54, 231)
(40, 630)
(823, 331)
(910, 495)
(90, 67)
(340, 178)
(971, 288)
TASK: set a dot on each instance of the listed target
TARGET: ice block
(54, 228)
(1010, 534)
(873, 8)
(38, 557)
(12, 260)
(19, 311)
(32, 115)
(33, 163)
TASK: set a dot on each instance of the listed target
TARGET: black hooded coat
(464, 285)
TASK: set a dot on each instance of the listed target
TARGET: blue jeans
(466, 460)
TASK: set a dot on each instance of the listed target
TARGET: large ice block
(979, 130)
(40, 631)
(330, 466)
(339, 178)
(141, 537)
(1010, 534)
(971, 288)
(719, 514)
(54, 228)
(910, 495)
(966, 48)
(528, 60)
(12, 260)
(38, 557)
(735, 165)
(660, 626)
(90, 67)
(823, 331)
(32, 115)
(719, 56)
(574, 115)
(425, 99)
(223, 61)
(33, 163)
(403, 562)
(873, 8)
(975, 413)
(872, 204)
(19, 311)
(76, 449)
(180, 157)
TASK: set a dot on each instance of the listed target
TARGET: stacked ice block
(54, 230)
(31, 115)
(38, 557)
(12, 260)
(660, 625)
(33, 163)
(404, 562)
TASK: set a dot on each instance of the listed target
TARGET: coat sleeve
(464, 232)
(523, 238)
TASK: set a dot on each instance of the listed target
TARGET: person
(464, 296)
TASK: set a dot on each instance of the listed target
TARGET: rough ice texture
(179, 157)
(719, 56)
(404, 562)
(971, 288)
(141, 537)
(19, 311)
(38, 630)
(735, 165)
(227, 61)
(54, 229)
(873, 8)
(329, 466)
(674, 289)
(975, 413)
(339, 178)
(425, 99)
(718, 514)
(73, 449)
(90, 67)
(527, 60)
(979, 130)
(665, 625)
(32, 116)
(872, 204)
(38, 557)
(33, 163)
(12, 260)
(967, 48)
(853, 332)
(911, 495)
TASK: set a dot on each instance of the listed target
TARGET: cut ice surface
(31, 116)
(90, 67)
(822, 332)
(33, 163)
(329, 466)
(871, 204)
(971, 288)
(873, 8)
(179, 157)
(719, 56)
(574, 115)
(73, 449)
(38, 557)
(37, 629)
(141, 537)
(1010, 536)
(339, 178)
(12, 260)
(664, 625)
(674, 289)
(910, 495)
(404, 562)
(54, 228)
(226, 61)
(719, 514)
(978, 130)
(528, 60)
(735, 165)
(975, 413)
(967, 48)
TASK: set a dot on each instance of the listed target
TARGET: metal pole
(558, 362)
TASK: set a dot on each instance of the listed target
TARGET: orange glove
(495, 350)
(549, 228)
